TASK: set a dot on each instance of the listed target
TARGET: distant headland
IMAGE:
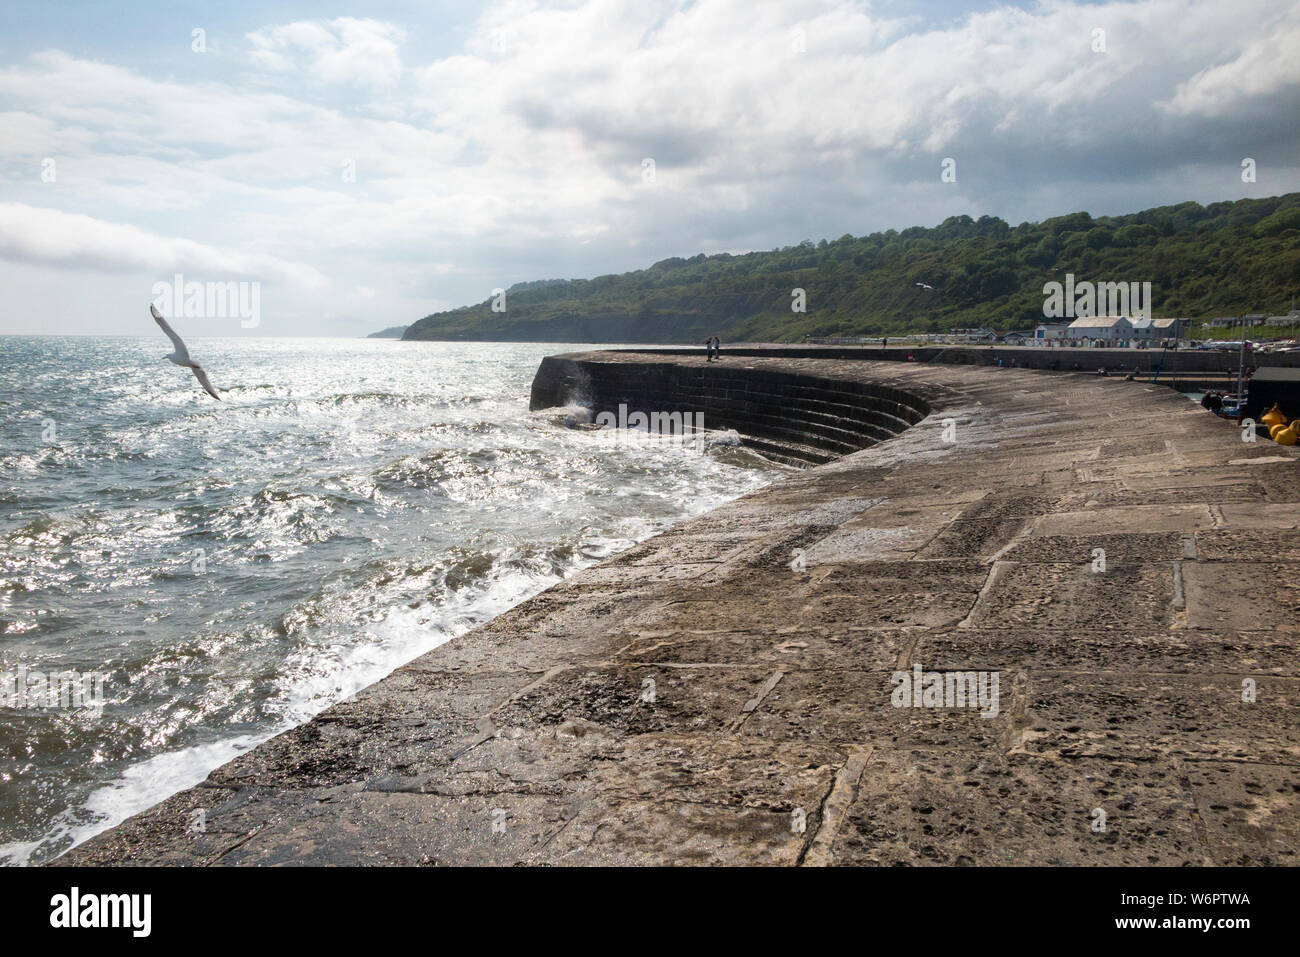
(392, 332)
(1201, 262)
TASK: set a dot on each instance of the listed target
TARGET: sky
(365, 166)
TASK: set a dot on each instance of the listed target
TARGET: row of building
(1114, 329)
(1092, 329)
(1142, 329)
(1087, 331)
(1254, 319)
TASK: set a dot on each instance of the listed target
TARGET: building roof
(1099, 322)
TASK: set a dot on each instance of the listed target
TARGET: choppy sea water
(228, 569)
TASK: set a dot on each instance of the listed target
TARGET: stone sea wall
(791, 417)
(1108, 570)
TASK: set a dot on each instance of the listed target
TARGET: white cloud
(344, 50)
(27, 136)
(519, 157)
(1266, 64)
(50, 238)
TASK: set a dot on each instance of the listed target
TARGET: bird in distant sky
(182, 355)
(922, 285)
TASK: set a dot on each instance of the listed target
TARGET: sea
(189, 577)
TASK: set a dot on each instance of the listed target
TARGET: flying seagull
(922, 285)
(182, 355)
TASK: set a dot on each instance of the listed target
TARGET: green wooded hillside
(1202, 261)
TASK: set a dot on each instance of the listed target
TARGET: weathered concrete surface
(771, 738)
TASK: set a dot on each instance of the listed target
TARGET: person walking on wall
(708, 349)
(717, 348)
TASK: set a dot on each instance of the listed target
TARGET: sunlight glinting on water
(233, 568)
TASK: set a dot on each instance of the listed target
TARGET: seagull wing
(171, 333)
(205, 381)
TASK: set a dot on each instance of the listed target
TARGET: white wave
(728, 437)
(530, 482)
(310, 685)
(139, 788)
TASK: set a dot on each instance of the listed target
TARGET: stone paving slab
(1094, 650)
(1189, 715)
(805, 649)
(784, 680)
(943, 808)
(1249, 812)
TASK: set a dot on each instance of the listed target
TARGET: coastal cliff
(962, 273)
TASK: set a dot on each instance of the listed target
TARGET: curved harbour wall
(794, 418)
(1112, 566)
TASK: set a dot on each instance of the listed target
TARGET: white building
(1051, 330)
(1170, 328)
(1101, 327)
(1143, 328)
